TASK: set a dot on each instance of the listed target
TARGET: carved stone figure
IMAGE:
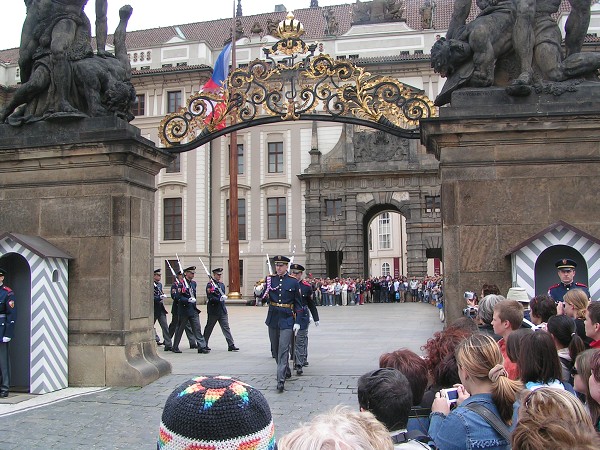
(272, 27)
(63, 79)
(427, 11)
(468, 57)
(379, 146)
(332, 27)
(361, 12)
(395, 10)
(256, 28)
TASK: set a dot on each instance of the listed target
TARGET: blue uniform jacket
(214, 305)
(282, 290)
(8, 308)
(306, 294)
(558, 290)
(159, 307)
(185, 308)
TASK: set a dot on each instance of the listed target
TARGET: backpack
(414, 435)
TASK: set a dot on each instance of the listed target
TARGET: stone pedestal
(509, 167)
(88, 188)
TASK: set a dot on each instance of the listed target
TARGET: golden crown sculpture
(290, 27)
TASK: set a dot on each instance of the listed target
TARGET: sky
(153, 13)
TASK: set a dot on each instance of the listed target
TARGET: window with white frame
(385, 231)
(385, 269)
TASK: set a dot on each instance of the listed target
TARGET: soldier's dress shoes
(3, 394)
(232, 348)
(176, 350)
(280, 387)
(203, 350)
(168, 349)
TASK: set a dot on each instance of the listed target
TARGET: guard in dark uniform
(188, 313)
(283, 294)
(176, 288)
(216, 310)
(8, 315)
(160, 312)
(303, 317)
(566, 273)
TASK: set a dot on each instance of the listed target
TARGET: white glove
(296, 328)
(316, 323)
(223, 298)
(192, 300)
(163, 295)
(5, 339)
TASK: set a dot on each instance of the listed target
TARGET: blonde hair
(479, 355)
(339, 429)
(553, 418)
(583, 362)
(580, 302)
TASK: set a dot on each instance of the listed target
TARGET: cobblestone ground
(347, 343)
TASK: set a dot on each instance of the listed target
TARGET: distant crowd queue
(358, 291)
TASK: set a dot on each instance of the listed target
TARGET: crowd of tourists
(340, 291)
(489, 380)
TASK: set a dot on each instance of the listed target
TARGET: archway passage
(295, 84)
(384, 242)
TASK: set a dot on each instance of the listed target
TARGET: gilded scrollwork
(292, 83)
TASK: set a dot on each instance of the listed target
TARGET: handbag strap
(490, 418)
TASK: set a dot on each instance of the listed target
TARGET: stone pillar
(506, 177)
(88, 188)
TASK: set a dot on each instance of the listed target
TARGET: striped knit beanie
(216, 413)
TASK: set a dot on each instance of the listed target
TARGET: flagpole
(234, 242)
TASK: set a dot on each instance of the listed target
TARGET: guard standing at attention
(283, 294)
(160, 312)
(303, 317)
(216, 310)
(566, 273)
(176, 288)
(8, 315)
(188, 313)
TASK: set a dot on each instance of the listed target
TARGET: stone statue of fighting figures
(517, 34)
(60, 75)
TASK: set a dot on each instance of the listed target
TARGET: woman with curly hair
(553, 418)
(486, 389)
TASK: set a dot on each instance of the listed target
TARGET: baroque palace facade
(312, 189)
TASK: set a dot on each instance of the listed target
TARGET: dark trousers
(281, 339)
(194, 322)
(301, 348)
(223, 321)
(162, 321)
(173, 325)
(4, 367)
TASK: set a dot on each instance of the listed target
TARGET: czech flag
(215, 85)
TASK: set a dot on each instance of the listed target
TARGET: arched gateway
(377, 164)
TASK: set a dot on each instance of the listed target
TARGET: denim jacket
(465, 429)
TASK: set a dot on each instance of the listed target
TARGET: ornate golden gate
(294, 84)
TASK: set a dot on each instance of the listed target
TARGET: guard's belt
(2, 315)
(282, 305)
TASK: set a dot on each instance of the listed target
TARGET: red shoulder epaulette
(7, 289)
(306, 283)
(580, 284)
(554, 286)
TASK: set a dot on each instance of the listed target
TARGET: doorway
(19, 280)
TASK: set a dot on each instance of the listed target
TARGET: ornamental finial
(290, 27)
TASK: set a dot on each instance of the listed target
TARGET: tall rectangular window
(241, 219)
(173, 101)
(385, 234)
(169, 278)
(139, 107)
(433, 203)
(276, 218)
(240, 159)
(175, 165)
(275, 157)
(333, 208)
(172, 219)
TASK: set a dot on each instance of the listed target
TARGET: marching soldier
(283, 294)
(566, 273)
(303, 317)
(176, 288)
(160, 312)
(188, 313)
(8, 315)
(216, 310)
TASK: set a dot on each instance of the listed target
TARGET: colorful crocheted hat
(216, 413)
